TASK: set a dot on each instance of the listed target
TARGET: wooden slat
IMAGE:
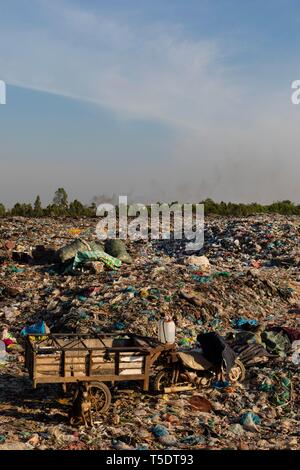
(132, 365)
(79, 373)
(101, 372)
(102, 378)
(137, 363)
(107, 365)
(131, 371)
(45, 373)
(76, 353)
(45, 367)
(75, 367)
(75, 360)
(101, 360)
(121, 366)
(47, 360)
(130, 354)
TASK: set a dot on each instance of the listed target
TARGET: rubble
(250, 294)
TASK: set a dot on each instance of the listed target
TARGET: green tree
(17, 209)
(38, 210)
(2, 210)
(91, 210)
(23, 210)
(61, 198)
(76, 208)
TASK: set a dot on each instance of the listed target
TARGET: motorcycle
(189, 369)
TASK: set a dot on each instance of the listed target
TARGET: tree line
(60, 207)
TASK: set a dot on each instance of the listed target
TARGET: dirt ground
(254, 274)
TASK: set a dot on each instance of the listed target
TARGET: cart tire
(237, 372)
(100, 397)
(162, 380)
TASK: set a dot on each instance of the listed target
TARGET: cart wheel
(162, 380)
(237, 372)
(100, 397)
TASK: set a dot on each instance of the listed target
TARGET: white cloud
(146, 72)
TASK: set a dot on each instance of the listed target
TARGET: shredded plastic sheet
(84, 256)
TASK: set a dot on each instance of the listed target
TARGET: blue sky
(160, 100)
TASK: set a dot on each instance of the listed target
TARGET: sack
(69, 251)
(117, 249)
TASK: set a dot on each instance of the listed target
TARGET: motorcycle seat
(194, 359)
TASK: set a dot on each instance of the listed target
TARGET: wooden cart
(98, 359)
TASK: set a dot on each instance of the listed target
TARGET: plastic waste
(119, 326)
(135, 296)
(220, 384)
(39, 328)
(8, 339)
(83, 256)
(276, 343)
(201, 262)
(166, 330)
(192, 440)
(250, 421)
(10, 314)
(295, 357)
(245, 323)
(3, 353)
(159, 430)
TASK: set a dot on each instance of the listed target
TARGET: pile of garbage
(255, 241)
(243, 284)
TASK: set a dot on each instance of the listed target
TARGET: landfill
(244, 284)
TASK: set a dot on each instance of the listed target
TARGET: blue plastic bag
(39, 328)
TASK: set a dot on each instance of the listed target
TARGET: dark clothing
(217, 351)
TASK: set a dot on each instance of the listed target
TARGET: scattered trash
(8, 339)
(248, 293)
(244, 323)
(159, 430)
(250, 421)
(200, 262)
(88, 256)
(200, 404)
(10, 314)
(220, 384)
(3, 353)
(278, 388)
(276, 343)
(39, 328)
(237, 429)
(295, 349)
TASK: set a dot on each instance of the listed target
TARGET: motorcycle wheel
(162, 380)
(237, 372)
